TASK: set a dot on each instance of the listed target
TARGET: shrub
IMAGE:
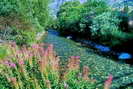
(76, 18)
(69, 17)
(95, 20)
(38, 67)
(23, 37)
(3, 52)
(25, 15)
(105, 26)
(17, 29)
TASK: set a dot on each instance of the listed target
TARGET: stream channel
(120, 55)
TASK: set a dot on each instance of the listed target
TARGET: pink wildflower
(85, 72)
(12, 65)
(35, 46)
(108, 82)
(73, 63)
(6, 62)
(21, 62)
(13, 80)
(13, 44)
(77, 57)
(72, 57)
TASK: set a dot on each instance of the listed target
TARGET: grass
(100, 66)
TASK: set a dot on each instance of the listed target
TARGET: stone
(124, 56)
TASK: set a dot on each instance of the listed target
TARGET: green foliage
(27, 17)
(3, 52)
(34, 11)
(74, 17)
(105, 26)
(95, 7)
(77, 82)
(36, 68)
(23, 37)
(96, 20)
(69, 16)
(7, 6)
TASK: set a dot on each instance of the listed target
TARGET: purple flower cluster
(10, 64)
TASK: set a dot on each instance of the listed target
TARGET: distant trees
(95, 19)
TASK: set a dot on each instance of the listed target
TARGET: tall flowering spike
(35, 46)
(41, 51)
(77, 57)
(50, 51)
(45, 56)
(37, 86)
(19, 54)
(51, 47)
(25, 52)
(48, 84)
(85, 73)
(74, 63)
(108, 82)
(21, 65)
(14, 82)
(29, 55)
(55, 64)
(41, 65)
(42, 44)
(13, 44)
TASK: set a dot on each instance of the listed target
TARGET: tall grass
(38, 67)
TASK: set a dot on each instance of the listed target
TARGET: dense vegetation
(26, 63)
(21, 20)
(36, 68)
(95, 19)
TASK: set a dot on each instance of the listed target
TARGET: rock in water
(124, 56)
(102, 48)
(69, 37)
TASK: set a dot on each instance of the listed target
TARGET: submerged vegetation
(100, 67)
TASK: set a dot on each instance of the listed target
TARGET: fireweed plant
(38, 67)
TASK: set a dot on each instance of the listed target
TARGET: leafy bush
(76, 18)
(69, 16)
(3, 52)
(38, 68)
(23, 37)
(27, 17)
(106, 26)
(96, 20)
(31, 10)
